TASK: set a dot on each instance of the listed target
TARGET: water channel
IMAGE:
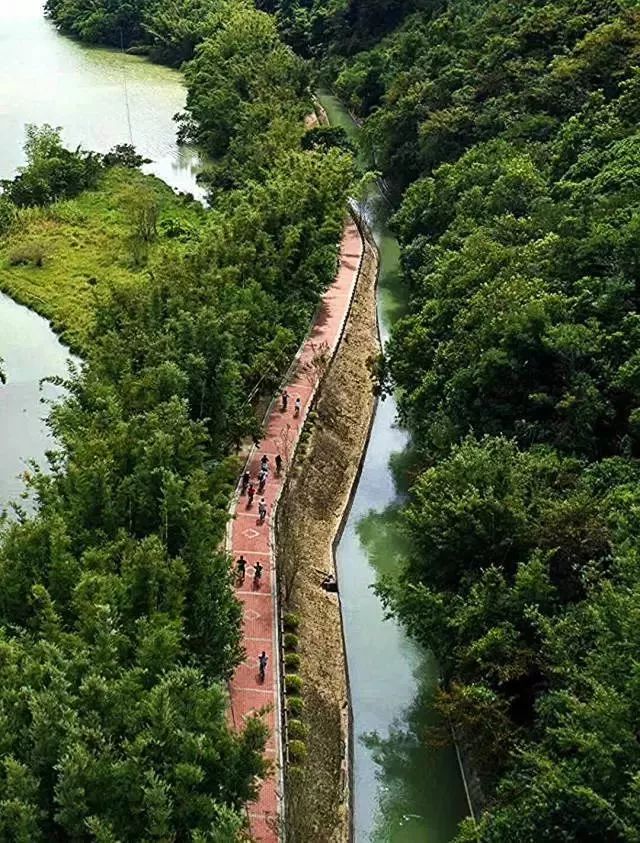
(90, 93)
(404, 790)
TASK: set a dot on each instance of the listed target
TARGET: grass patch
(58, 258)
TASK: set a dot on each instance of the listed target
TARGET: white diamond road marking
(250, 533)
(252, 615)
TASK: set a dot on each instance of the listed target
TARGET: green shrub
(304, 436)
(293, 683)
(25, 253)
(7, 214)
(297, 751)
(295, 706)
(291, 642)
(295, 775)
(297, 730)
(291, 662)
(291, 621)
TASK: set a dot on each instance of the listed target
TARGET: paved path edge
(270, 834)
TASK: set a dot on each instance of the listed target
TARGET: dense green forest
(508, 133)
(166, 30)
(118, 621)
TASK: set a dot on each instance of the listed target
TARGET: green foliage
(326, 137)
(88, 250)
(293, 683)
(291, 662)
(28, 252)
(295, 706)
(291, 621)
(508, 134)
(124, 155)
(8, 213)
(116, 22)
(246, 98)
(52, 172)
(168, 30)
(297, 751)
(291, 642)
(119, 625)
(296, 729)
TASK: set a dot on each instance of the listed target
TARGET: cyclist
(278, 464)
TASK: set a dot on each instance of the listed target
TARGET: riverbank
(403, 787)
(310, 513)
(58, 259)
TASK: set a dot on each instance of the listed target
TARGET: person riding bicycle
(285, 400)
(250, 493)
(262, 479)
(297, 407)
(278, 464)
(257, 572)
(246, 479)
(262, 663)
(264, 463)
(262, 510)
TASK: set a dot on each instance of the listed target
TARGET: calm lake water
(89, 93)
(46, 78)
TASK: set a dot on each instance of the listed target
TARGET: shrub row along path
(254, 541)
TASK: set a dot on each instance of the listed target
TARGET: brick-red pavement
(254, 540)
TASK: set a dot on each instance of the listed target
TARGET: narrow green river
(405, 791)
(91, 94)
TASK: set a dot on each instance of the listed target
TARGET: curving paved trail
(254, 541)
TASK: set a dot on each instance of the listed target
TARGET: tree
(143, 211)
(8, 213)
(52, 172)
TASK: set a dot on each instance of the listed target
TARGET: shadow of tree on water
(421, 798)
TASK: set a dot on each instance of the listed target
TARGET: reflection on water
(45, 78)
(31, 351)
(406, 790)
(411, 773)
(419, 793)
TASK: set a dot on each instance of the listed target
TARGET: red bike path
(247, 537)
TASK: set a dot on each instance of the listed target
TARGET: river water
(405, 791)
(90, 93)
